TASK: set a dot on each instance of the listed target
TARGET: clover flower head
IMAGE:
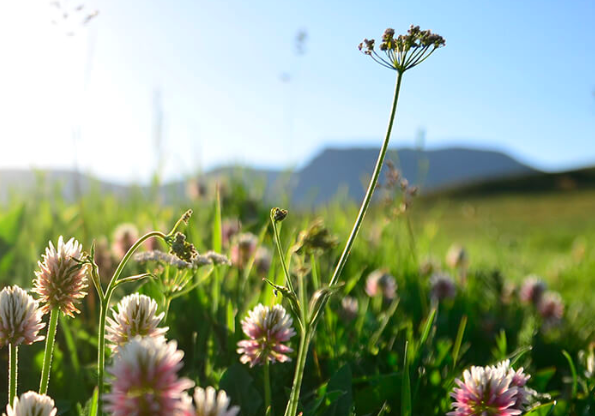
(207, 402)
(262, 260)
(403, 52)
(144, 378)
(442, 286)
(532, 290)
(229, 229)
(31, 404)
(380, 281)
(125, 235)
(349, 307)
(429, 266)
(491, 391)
(243, 249)
(20, 317)
(551, 308)
(136, 316)
(267, 329)
(457, 257)
(61, 280)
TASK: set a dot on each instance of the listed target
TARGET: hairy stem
(13, 372)
(49, 351)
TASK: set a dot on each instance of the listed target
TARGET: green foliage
(394, 357)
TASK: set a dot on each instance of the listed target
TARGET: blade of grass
(406, 409)
(573, 372)
(459, 340)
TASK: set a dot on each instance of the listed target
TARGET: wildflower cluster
(403, 52)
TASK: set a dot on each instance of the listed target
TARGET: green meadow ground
(507, 237)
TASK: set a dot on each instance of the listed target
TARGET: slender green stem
(166, 308)
(307, 332)
(282, 256)
(12, 380)
(49, 351)
(267, 386)
(292, 405)
(368, 197)
(105, 301)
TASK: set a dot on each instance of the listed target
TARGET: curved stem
(267, 386)
(105, 300)
(368, 197)
(49, 351)
(292, 405)
(13, 373)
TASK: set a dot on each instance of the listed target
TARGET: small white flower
(136, 315)
(31, 404)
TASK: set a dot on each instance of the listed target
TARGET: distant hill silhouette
(320, 180)
(350, 170)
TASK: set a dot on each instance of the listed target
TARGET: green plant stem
(166, 308)
(49, 351)
(105, 300)
(13, 373)
(308, 330)
(282, 256)
(267, 386)
(371, 187)
(292, 405)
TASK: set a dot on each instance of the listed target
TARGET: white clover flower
(31, 404)
(20, 317)
(491, 391)
(61, 280)
(136, 315)
(207, 402)
(144, 379)
(268, 330)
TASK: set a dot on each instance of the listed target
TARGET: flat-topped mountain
(317, 182)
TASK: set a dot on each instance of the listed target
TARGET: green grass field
(355, 366)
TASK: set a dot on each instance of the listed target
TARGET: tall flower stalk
(178, 245)
(20, 322)
(401, 53)
(61, 283)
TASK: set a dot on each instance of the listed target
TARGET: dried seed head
(404, 51)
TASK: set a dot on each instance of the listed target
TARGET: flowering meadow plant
(243, 310)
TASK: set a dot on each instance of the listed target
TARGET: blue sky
(514, 76)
